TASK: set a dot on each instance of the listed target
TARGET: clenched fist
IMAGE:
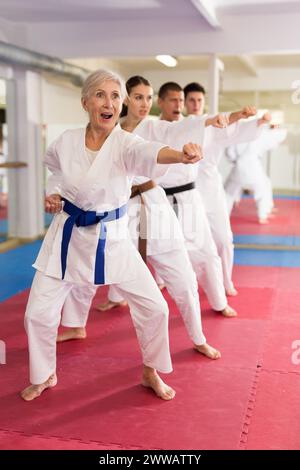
(248, 111)
(191, 153)
(53, 203)
(219, 120)
(265, 119)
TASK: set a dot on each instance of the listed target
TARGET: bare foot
(208, 351)
(71, 333)
(151, 379)
(229, 312)
(109, 304)
(263, 221)
(34, 391)
(232, 292)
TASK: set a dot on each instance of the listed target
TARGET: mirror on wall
(262, 178)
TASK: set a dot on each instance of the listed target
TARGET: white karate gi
(193, 220)
(248, 171)
(209, 184)
(103, 186)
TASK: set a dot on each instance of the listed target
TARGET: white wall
(61, 104)
(284, 167)
(61, 110)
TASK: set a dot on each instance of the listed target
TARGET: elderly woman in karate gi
(88, 242)
(165, 246)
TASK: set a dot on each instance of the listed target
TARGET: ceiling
(56, 11)
(186, 62)
(258, 40)
(235, 66)
(91, 28)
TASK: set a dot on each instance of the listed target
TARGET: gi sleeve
(51, 161)
(177, 133)
(140, 157)
(236, 133)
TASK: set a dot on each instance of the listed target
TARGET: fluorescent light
(167, 60)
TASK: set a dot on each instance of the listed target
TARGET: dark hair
(194, 86)
(172, 86)
(131, 83)
(2, 116)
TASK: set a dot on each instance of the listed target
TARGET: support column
(215, 67)
(25, 185)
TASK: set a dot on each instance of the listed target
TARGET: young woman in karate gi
(88, 242)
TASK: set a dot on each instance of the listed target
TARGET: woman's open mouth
(106, 116)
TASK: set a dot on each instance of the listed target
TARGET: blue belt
(82, 218)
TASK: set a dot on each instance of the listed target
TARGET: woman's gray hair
(94, 80)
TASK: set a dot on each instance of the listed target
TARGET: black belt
(178, 189)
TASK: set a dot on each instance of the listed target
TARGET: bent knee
(188, 285)
(35, 320)
(162, 308)
(225, 242)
